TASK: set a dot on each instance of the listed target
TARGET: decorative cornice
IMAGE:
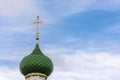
(36, 74)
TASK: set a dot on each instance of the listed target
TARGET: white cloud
(85, 66)
(113, 29)
(75, 66)
(16, 8)
(109, 5)
(16, 29)
(54, 11)
(16, 11)
(65, 8)
(10, 74)
(10, 35)
(51, 11)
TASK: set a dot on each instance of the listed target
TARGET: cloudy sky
(80, 36)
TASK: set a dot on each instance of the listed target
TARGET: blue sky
(80, 36)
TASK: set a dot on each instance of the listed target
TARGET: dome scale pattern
(36, 62)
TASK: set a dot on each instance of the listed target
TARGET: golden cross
(37, 22)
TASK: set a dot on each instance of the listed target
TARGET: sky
(80, 36)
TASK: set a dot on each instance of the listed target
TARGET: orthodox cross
(37, 22)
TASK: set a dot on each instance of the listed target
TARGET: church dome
(36, 62)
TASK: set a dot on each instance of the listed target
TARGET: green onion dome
(36, 62)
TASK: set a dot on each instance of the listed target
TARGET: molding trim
(36, 74)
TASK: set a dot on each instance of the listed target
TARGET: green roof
(36, 62)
